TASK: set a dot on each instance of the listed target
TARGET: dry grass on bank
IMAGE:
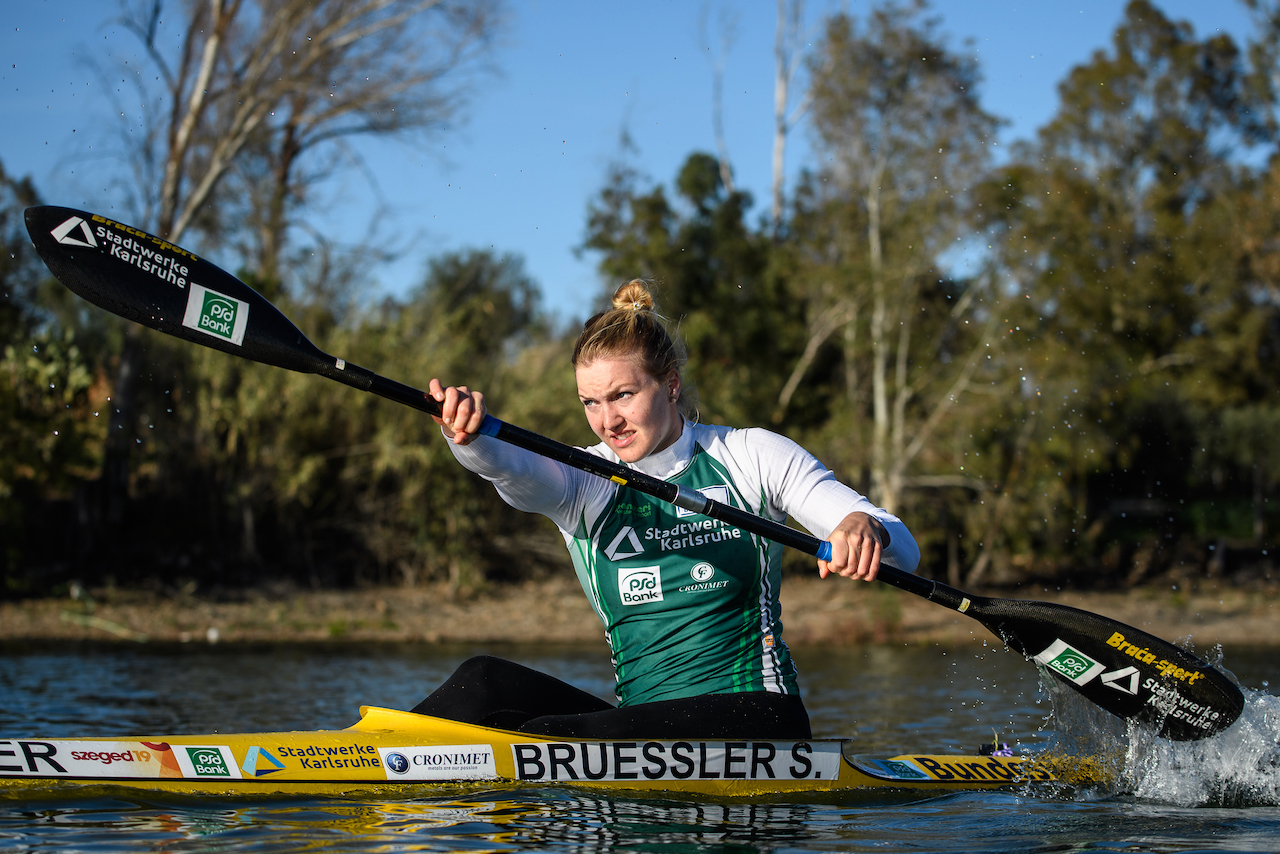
(814, 612)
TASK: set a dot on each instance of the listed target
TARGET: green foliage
(469, 324)
(349, 488)
(1120, 228)
(723, 282)
(51, 440)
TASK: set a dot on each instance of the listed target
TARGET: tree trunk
(781, 83)
(120, 436)
(1259, 519)
(881, 489)
(788, 43)
(983, 562)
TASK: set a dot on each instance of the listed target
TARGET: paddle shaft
(681, 496)
(696, 502)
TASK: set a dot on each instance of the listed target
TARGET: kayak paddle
(1128, 672)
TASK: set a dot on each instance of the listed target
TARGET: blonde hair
(632, 328)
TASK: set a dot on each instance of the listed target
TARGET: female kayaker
(690, 604)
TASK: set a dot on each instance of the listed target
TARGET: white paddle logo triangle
(1125, 680)
(63, 234)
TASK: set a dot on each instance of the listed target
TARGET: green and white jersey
(689, 604)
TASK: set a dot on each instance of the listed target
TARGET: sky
(569, 79)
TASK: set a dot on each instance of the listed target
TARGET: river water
(1218, 795)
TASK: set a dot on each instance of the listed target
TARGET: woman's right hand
(462, 411)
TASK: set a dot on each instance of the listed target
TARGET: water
(1218, 795)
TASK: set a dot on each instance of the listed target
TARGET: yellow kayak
(394, 753)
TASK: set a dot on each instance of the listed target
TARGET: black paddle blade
(1126, 671)
(143, 278)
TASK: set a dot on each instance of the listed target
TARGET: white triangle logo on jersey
(626, 539)
(62, 234)
(1115, 680)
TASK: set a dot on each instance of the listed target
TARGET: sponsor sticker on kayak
(979, 769)
(901, 769)
(216, 314)
(588, 761)
(206, 761)
(114, 759)
(260, 761)
(439, 762)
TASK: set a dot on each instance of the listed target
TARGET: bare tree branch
(788, 58)
(719, 59)
(820, 329)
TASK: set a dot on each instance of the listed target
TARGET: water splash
(1239, 767)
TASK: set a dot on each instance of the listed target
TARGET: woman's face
(632, 412)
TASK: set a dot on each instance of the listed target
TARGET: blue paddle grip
(824, 550)
(490, 426)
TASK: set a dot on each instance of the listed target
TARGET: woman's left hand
(856, 546)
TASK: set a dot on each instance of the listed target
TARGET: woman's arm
(525, 480)
(861, 534)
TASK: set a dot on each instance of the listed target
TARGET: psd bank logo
(640, 585)
(1069, 662)
(216, 314)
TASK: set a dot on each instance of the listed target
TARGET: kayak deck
(395, 753)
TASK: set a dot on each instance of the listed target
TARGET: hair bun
(634, 295)
(633, 329)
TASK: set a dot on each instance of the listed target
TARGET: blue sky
(538, 135)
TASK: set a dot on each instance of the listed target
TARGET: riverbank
(814, 612)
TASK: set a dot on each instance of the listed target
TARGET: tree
(251, 89)
(49, 437)
(296, 74)
(788, 61)
(896, 114)
(1121, 222)
(727, 26)
(475, 321)
(716, 277)
(789, 43)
